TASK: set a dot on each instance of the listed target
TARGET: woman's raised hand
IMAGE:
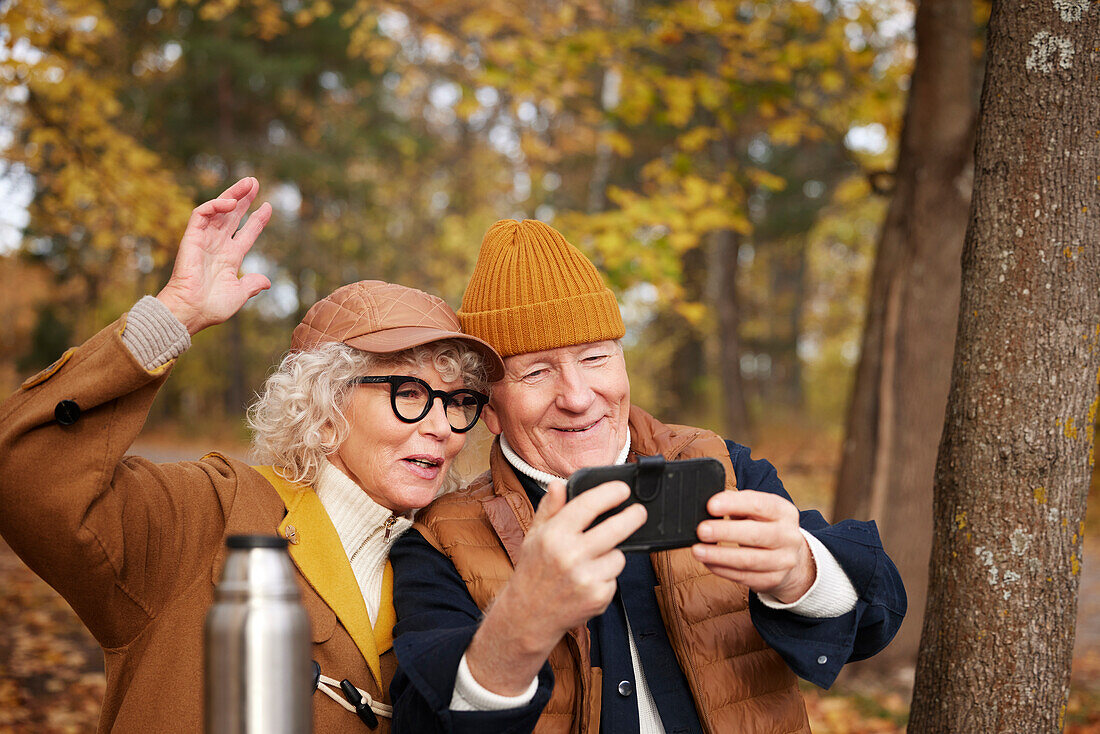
(205, 288)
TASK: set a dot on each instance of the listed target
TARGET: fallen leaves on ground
(51, 670)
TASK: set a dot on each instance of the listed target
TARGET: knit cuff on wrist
(469, 695)
(153, 334)
(831, 594)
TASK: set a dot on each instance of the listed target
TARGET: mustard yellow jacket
(136, 547)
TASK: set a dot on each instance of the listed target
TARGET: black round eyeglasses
(411, 399)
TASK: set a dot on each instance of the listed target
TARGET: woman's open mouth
(425, 462)
(425, 467)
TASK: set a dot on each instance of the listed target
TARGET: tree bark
(896, 413)
(1013, 470)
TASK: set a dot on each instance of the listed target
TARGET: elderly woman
(358, 427)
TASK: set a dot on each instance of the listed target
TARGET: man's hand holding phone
(569, 561)
(754, 539)
(566, 573)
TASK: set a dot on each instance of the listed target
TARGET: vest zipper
(390, 522)
(581, 710)
(675, 627)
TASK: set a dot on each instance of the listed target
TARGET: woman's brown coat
(136, 547)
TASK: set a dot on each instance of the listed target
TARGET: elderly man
(512, 618)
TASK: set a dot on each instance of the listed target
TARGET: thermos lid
(255, 541)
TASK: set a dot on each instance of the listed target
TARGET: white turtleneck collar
(367, 530)
(541, 477)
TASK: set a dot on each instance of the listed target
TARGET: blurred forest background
(687, 146)
(731, 167)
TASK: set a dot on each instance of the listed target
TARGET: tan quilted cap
(375, 316)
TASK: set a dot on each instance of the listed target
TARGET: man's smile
(581, 429)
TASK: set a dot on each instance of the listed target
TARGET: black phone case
(674, 493)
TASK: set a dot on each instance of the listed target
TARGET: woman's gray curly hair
(297, 419)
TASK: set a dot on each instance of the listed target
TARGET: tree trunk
(896, 414)
(735, 413)
(236, 396)
(622, 14)
(722, 291)
(1013, 471)
(684, 397)
(792, 273)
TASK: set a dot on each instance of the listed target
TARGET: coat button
(291, 534)
(66, 412)
(625, 688)
(822, 660)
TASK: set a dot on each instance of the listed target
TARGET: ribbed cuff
(469, 695)
(153, 334)
(831, 594)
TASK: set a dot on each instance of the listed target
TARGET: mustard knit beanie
(531, 290)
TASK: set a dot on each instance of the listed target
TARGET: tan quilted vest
(740, 685)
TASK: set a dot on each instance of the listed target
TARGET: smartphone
(675, 494)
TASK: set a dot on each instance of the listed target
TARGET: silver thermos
(258, 673)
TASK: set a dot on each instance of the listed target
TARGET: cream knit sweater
(367, 530)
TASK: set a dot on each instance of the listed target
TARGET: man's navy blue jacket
(436, 619)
